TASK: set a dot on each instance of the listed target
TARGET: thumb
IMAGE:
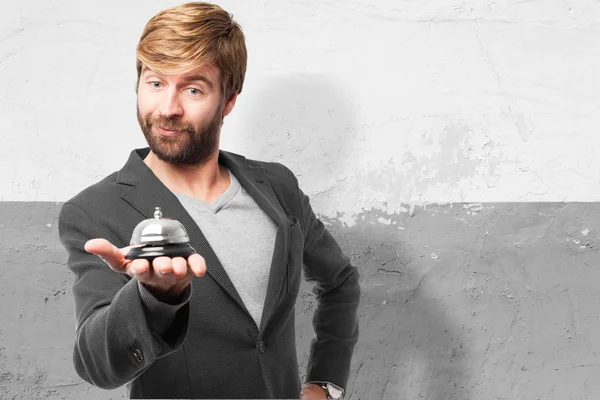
(109, 253)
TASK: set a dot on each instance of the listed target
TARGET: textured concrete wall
(449, 145)
(459, 302)
(393, 101)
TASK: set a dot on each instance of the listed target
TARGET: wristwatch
(333, 391)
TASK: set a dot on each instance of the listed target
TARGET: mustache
(170, 123)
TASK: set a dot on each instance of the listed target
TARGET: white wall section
(396, 102)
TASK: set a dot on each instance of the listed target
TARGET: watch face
(334, 392)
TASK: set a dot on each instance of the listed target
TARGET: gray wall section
(459, 301)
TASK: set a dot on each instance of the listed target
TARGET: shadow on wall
(408, 347)
(303, 121)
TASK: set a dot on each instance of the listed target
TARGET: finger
(197, 264)
(180, 266)
(162, 265)
(139, 268)
(107, 252)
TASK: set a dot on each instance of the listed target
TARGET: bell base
(150, 251)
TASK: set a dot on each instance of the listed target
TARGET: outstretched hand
(166, 278)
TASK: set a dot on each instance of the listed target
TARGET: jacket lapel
(148, 192)
(255, 181)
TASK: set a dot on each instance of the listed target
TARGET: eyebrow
(190, 78)
(201, 78)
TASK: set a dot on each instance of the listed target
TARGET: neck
(205, 181)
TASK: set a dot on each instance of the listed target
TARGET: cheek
(145, 103)
(201, 116)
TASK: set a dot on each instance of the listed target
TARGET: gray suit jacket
(212, 348)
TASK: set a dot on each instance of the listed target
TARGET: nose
(171, 104)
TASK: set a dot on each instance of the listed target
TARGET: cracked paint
(448, 310)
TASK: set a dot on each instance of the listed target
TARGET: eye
(194, 91)
(156, 84)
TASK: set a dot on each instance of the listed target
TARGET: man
(219, 324)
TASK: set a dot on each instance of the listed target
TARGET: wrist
(331, 390)
(172, 296)
(311, 391)
(321, 389)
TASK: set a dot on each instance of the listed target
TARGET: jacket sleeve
(336, 285)
(120, 329)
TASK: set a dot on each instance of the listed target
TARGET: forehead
(209, 73)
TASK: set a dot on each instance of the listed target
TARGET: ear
(229, 104)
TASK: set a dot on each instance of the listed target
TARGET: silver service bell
(158, 236)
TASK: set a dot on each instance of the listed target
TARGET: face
(181, 114)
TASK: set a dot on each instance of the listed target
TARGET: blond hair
(183, 38)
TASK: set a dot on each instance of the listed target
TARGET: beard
(194, 146)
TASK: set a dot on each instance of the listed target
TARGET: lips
(169, 132)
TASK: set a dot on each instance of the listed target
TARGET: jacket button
(261, 347)
(138, 355)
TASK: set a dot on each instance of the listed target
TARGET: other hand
(313, 391)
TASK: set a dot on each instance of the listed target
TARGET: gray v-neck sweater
(242, 236)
